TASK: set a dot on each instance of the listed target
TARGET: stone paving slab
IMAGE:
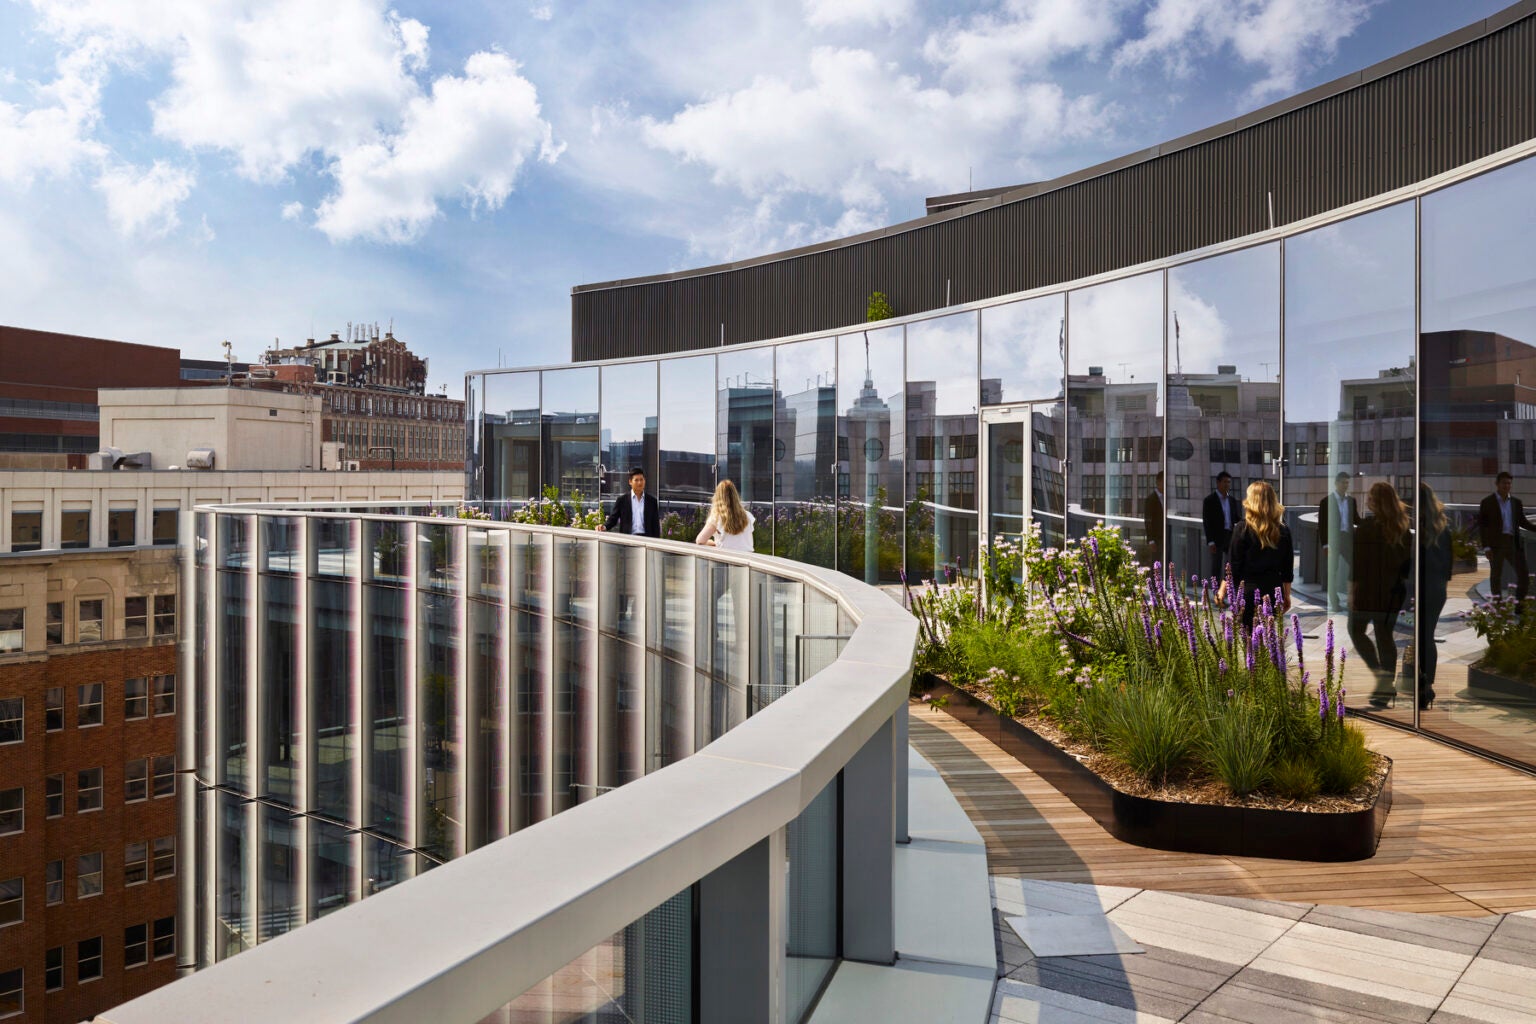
(1072, 934)
(1226, 960)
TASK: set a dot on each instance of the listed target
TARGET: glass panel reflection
(805, 451)
(1223, 396)
(871, 453)
(629, 425)
(744, 408)
(812, 897)
(687, 445)
(1114, 389)
(1023, 345)
(1349, 439)
(570, 434)
(943, 441)
(512, 426)
(1478, 317)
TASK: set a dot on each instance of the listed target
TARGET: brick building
(48, 386)
(88, 858)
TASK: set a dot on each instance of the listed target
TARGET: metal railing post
(869, 833)
(741, 936)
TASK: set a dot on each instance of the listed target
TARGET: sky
(185, 172)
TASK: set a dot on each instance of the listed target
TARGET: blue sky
(179, 172)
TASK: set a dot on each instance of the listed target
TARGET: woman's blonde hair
(1389, 511)
(1432, 520)
(727, 508)
(1262, 511)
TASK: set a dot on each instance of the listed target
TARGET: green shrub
(879, 308)
(1237, 745)
(1149, 729)
(1342, 760)
(1294, 778)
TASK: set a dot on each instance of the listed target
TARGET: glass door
(1022, 471)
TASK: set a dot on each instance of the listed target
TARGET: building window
(135, 863)
(165, 775)
(165, 696)
(136, 780)
(12, 629)
(1405, 452)
(1367, 452)
(121, 526)
(135, 945)
(135, 699)
(53, 883)
(87, 704)
(1322, 453)
(53, 975)
(55, 623)
(12, 719)
(88, 875)
(53, 709)
(12, 819)
(1346, 453)
(53, 799)
(165, 937)
(26, 531)
(75, 528)
(88, 960)
(1302, 453)
(89, 621)
(135, 617)
(165, 615)
(12, 908)
(88, 790)
(162, 524)
(10, 993)
(165, 856)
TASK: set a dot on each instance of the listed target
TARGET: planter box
(1492, 686)
(1164, 824)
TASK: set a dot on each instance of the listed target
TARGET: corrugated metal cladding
(1399, 129)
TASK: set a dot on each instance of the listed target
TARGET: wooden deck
(1461, 838)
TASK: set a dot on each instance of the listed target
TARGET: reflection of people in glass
(1378, 586)
(1152, 518)
(1218, 515)
(1501, 518)
(1261, 552)
(729, 524)
(1434, 577)
(1337, 517)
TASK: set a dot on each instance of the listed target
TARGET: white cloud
(1023, 35)
(541, 12)
(142, 203)
(836, 135)
(293, 210)
(468, 139)
(823, 13)
(54, 136)
(1286, 38)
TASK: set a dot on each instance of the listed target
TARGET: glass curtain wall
(942, 430)
(744, 411)
(511, 426)
(1023, 351)
(687, 435)
(1477, 349)
(1350, 442)
(805, 475)
(1223, 393)
(569, 434)
(871, 452)
(1114, 389)
(629, 425)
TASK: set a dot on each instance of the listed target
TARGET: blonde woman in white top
(730, 524)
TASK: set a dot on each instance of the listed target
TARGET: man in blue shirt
(1501, 518)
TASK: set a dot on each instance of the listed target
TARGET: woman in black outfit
(1378, 586)
(1434, 579)
(1261, 552)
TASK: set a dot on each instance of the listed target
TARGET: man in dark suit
(635, 512)
(1152, 519)
(1219, 514)
(1337, 516)
(1501, 518)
